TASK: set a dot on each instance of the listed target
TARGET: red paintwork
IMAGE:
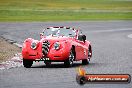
(62, 54)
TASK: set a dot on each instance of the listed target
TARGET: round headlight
(33, 45)
(56, 45)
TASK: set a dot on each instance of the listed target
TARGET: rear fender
(88, 44)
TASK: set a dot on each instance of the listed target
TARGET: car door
(80, 49)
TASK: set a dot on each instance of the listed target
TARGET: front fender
(62, 53)
(29, 53)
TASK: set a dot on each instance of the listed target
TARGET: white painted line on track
(129, 36)
(18, 45)
(114, 30)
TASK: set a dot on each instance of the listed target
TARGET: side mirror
(41, 35)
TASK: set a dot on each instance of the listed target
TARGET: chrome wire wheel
(69, 61)
(71, 57)
(89, 54)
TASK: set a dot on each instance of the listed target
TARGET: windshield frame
(59, 32)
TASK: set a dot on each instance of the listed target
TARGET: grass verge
(65, 10)
(62, 15)
(7, 50)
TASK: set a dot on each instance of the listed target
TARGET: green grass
(65, 10)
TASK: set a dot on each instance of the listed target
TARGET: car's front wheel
(69, 61)
(27, 63)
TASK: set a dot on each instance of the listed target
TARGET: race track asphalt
(112, 54)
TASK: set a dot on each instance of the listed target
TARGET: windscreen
(59, 32)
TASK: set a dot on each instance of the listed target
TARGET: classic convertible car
(57, 44)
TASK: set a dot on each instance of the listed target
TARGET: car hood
(53, 39)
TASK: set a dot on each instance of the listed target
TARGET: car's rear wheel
(27, 63)
(86, 61)
(69, 61)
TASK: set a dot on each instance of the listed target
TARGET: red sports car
(57, 44)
